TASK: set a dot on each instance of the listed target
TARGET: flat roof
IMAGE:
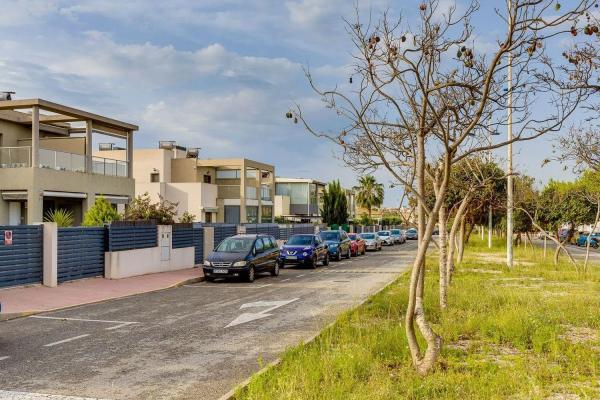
(61, 116)
(279, 179)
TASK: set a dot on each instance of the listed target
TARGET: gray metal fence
(198, 239)
(80, 252)
(21, 262)
(132, 236)
(266, 229)
(183, 236)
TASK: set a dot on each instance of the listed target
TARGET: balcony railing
(108, 166)
(20, 157)
(62, 161)
(15, 157)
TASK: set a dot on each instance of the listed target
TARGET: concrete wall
(145, 162)
(184, 170)
(281, 205)
(75, 145)
(12, 132)
(36, 180)
(123, 264)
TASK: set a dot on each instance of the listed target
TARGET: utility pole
(509, 188)
(490, 214)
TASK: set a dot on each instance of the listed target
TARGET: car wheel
(364, 251)
(338, 256)
(349, 254)
(251, 275)
(313, 262)
(209, 279)
(326, 260)
(275, 270)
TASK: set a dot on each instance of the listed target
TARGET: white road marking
(285, 280)
(4, 358)
(83, 320)
(120, 326)
(66, 340)
(247, 317)
(9, 395)
(229, 286)
(300, 276)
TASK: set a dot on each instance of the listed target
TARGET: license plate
(292, 257)
(220, 271)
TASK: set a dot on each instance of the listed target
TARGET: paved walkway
(37, 298)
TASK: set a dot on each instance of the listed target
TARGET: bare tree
(423, 98)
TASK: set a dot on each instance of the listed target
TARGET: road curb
(231, 394)
(189, 281)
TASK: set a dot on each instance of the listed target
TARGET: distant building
(47, 161)
(298, 199)
(213, 190)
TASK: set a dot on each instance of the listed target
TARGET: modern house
(46, 161)
(298, 199)
(213, 190)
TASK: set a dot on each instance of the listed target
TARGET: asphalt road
(193, 342)
(577, 252)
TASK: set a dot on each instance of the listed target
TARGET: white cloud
(16, 13)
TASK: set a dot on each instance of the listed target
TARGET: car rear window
(368, 236)
(330, 235)
(395, 231)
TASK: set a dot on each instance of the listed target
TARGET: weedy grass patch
(532, 332)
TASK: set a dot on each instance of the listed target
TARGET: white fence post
(50, 261)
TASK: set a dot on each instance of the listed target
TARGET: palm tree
(369, 193)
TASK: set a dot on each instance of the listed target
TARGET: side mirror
(326, 246)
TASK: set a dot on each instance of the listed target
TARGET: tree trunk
(588, 242)
(415, 312)
(461, 241)
(562, 247)
(443, 254)
(452, 238)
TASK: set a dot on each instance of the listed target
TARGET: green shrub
(63, 218)
(102, 212)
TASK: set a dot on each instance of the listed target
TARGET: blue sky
(218, 74)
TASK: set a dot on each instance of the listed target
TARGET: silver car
(398, 236)
(372, 241)
(386, 237)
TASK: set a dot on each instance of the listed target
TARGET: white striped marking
(66, 340)
(4, 358)
(9, 395)
(285, 280)
(106, 321)
(300, 276)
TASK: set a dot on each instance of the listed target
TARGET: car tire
(349, 254)
(364, 251)
(275, 270)
(313, 262)
(209, 279)
(251, 275)
(326, 260)
(338, 256)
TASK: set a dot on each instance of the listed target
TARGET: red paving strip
(38, 298)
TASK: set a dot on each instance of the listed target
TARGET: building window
(252, 173)
(298, 192)
(155, 177)
(267, 214)
(228, 174)
(251, 192)
(208, 217)
(252, 214)
(265, 192)
(207, 179)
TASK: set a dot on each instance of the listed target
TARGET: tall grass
(507, 334)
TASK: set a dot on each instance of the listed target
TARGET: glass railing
(108, 166)
(61, 161)
(251, 193)
(265, 193)
(15, 157)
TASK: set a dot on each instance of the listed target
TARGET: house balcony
(20, 157)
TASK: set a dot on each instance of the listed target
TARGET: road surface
(193, 342)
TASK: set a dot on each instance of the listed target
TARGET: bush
(102, 212)
(63, 218)
(187, 218)
(141, 208)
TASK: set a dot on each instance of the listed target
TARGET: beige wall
(190, 196)
(74, 145)
(281, 206)
(184, 170)
(36, 180)
(12, 132)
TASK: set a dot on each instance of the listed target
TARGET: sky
(215, 74)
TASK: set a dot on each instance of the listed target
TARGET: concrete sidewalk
(33, 299)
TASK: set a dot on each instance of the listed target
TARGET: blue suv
(594, 239)
(305, 250)
(338, 242)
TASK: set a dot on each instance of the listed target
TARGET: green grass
(515, 334)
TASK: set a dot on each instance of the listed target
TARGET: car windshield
(330, 235)
(368, 236)
(412, 230)
(300, 241)
(395, 231)
(235, 245)
(383, 233)
(352, 236)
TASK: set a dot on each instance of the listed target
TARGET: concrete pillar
(130, 154)
(50, 262)
(259, 190)
(209, 240)
(88, 146)
(35, 136)
(35, 206)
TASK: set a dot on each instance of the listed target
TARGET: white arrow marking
(247, 317)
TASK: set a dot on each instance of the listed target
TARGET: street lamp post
(490, 212)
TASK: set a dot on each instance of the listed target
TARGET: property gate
(80, 253)
(21, 254)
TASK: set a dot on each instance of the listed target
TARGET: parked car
(594, 239)
(243, 256)
(386, 237)
(357, 244)
(338, 244)
(398, 236)
(304, 249)
(372, 241)
(412, 234)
